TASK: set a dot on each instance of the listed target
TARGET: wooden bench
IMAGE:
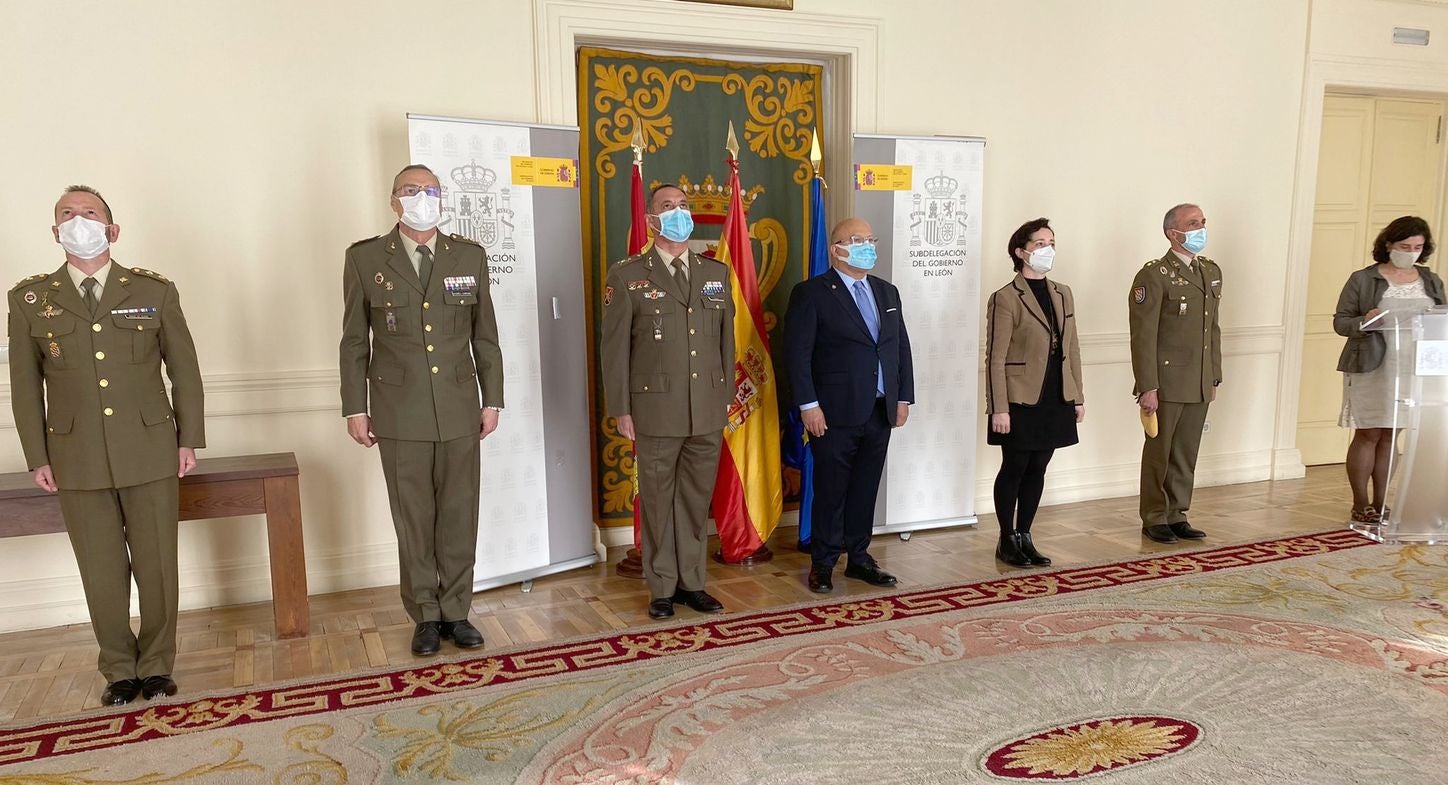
(218, 488)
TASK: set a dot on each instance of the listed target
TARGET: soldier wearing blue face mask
(1176, 355)
(667, 353)
(853, 379)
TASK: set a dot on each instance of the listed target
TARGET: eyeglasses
(414, 190)
(856, 239)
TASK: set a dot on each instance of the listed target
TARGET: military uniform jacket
(422, 355)
(668, 355)
(87, 391)
(1176, 338)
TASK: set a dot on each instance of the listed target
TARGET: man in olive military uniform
(419, 336)
(86, 347)
(1176, 354)
(668, 375)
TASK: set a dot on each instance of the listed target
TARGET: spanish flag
(749, 490)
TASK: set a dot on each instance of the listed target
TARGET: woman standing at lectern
(1033, 385)
(1398, 283)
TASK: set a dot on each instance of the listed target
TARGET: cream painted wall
(245, 145)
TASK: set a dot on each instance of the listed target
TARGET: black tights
(1018, 487)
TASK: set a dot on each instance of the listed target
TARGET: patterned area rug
(1319, 659)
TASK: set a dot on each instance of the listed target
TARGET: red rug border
(100, 731)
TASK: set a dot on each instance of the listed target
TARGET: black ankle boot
(1028, 549)
(1009, 551)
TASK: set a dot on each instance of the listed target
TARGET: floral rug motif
(1318, 659)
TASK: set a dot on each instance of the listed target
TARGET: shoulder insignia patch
(608, 295)
(467, 240)
(151, 274)
(1138, 295)
(31, 279)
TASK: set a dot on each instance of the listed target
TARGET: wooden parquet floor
(49, 673)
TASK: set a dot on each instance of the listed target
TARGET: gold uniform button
(426, 306)
(427, 327)
(691, 331)
(109, 411)
(50, 335)
(95, 328)
(429, 347)
(693, 353)
(1166, 362)
(657, 311)
(52, 430)
(105, 382)
(691, 310)
(646, 388)
(693, 376)
(139, 327)
(434, 369)
(100, 355)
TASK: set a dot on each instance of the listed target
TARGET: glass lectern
(1417, 506)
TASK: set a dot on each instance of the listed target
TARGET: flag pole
(632, 564)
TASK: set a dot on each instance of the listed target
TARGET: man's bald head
(850, 227)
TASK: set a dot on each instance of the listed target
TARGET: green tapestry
(684, 106)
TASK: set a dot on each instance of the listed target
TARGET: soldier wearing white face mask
(422, 377)
(87, 343)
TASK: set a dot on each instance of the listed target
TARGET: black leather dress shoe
(427, 638)
(156, 686)
(1185, 531)
(1159, 532)
(820, 581)
(700, 601)
(462, 633)
(1028, 549)
(869, 573)
(119, 693)
(661, 608)
(1008, 550)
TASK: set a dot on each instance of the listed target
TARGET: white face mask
(83, 238)
(1042, 259)
(1404, 259)
(420, 211)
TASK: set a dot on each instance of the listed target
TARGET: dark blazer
(1363, 291)
(831, 357)
(1018, 345)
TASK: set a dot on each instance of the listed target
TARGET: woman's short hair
(1023, 236)
(1399, 230)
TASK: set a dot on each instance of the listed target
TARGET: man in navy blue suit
(849, 367)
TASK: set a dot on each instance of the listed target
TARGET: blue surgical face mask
(676, 225)
(1195, 240)
(862, 255)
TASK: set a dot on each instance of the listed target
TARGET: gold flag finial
(637, 143)
(732, 143)
(816, 158)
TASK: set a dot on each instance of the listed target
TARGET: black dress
(1051, 422)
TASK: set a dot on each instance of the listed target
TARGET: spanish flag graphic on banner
(749, 490)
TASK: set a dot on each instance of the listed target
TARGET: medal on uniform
(712, 290)
(1183, 310)
(392, 321)
(47, 310)
(379, 278)
(658, 330)
(30, 298)
(54, 350)
(655, 294)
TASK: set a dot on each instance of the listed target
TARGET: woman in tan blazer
(1033, 385)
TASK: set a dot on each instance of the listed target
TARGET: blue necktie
(867, 309)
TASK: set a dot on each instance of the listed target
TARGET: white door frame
(1324, 73)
